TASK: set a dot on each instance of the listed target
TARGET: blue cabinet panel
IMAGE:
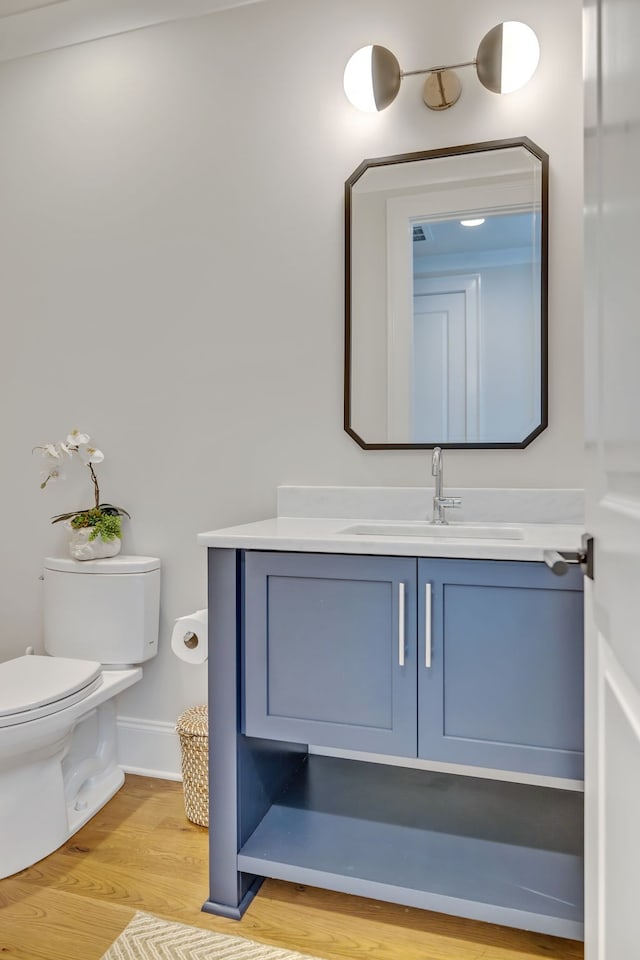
(324, 661)
(504, 688)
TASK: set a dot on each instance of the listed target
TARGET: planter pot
(82, 548)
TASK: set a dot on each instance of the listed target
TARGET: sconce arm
(453, 66)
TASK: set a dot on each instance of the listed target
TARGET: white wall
(171, 272)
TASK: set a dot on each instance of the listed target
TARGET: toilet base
(67, 772)
(93, 798)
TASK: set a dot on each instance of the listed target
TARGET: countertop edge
(300, 539)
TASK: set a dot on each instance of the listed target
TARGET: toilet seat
(32, 687)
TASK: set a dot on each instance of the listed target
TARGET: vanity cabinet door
(504, 684)
(330, 651)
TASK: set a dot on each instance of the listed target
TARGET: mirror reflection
(446, 298)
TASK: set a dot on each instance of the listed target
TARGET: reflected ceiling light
(473, 223)
(506, 60)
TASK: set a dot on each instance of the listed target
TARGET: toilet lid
(32, 686)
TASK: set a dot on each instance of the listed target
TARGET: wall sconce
(506, 60)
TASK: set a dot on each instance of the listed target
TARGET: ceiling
(10, 7)
(33, 26)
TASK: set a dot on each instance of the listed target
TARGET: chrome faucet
(440, 503)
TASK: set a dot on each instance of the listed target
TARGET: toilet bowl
(58, 763)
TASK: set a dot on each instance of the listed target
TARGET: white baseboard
(150, 748)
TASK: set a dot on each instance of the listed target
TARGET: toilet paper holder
(190, 640)
(189, 637)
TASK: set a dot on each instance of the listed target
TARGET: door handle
(401, 621)
(427, 625)
(558, 560)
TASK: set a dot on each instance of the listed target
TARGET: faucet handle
(450, 501)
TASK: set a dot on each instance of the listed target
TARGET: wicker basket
(193, 730)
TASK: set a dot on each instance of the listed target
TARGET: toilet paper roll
(189, 640)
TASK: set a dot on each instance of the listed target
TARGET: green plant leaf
(110, 509)
(68, 516)
(108, 526)
(106, 509)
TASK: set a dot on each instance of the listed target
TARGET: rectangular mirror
(446, 297)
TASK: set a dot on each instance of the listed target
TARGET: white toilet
(57, 712)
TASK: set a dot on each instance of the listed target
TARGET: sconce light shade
(507, 57)
(372, 78)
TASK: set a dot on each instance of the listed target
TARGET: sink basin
(422, 528)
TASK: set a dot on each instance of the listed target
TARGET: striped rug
(149, 938)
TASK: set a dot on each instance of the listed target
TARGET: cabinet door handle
(401, 624)
(427, 625)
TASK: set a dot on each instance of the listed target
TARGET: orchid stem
(95, 484)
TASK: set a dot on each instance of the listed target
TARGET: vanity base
(233, 913)
(499, 852)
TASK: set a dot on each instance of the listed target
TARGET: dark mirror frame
(544, 253)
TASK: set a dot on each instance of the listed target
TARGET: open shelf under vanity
(508, 853)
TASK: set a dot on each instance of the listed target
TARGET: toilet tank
(105, 610)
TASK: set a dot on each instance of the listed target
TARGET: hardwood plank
(352, 928)
(47, 924)
(141, 853)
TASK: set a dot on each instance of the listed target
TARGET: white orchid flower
(51, 475)
(51, 451)
(77, 439)
(90, 455)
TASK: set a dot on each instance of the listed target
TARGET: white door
(439, 376)
(612, 321)
(445, 359)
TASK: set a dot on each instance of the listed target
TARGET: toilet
(58, 762)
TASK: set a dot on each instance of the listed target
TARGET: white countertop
(325, 535)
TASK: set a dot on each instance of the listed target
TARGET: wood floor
(141, 853)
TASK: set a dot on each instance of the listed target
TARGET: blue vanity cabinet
(330, 650)
(500, 666)
(308, 649)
